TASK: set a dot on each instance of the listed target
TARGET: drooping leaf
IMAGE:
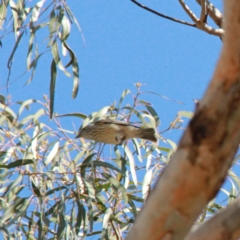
(75, 69)
(132, 164)
(52, 86)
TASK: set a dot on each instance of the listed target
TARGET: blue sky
(124, 45)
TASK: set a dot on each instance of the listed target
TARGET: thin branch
(201, 24)
(188, 11)
(203, 11)
(162, 15)
(213, 12)
(197, 23)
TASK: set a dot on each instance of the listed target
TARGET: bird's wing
(108, 121)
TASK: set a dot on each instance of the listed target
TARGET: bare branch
(199, 23)
(206, 28)
(203, 11)
(213, 12)
(162, 15)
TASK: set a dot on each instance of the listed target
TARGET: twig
(203, 11)
(162, 15)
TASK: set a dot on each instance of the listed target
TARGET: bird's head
(84, 132)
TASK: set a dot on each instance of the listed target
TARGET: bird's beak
(79, 133)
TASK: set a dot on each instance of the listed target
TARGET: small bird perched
(115, 132)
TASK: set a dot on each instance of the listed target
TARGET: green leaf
(52, 86)
(75, 69)
(30, 47)
(102, 112)
(106, 219)
(25, 105)
(164, 149)
(172, 144)
(3, 12)
(10, 59)
(66, 28)
(52, 153)
(124, 94)
(61, 226)
(2, 99)
(132, 164)
(55, 190)
(14, 9)
(154, 114)
(8, 110)
(80, 217)
(57, 59)
(117, 185)
(36, 11)
(132, 110)
(133, 207)
(68, 10)
(17, 163)
(33, 64)
(186, 114)
(91, 189)
(137, 148)
(162, 96)
(106, 165)
(36, 190)
(81, 115)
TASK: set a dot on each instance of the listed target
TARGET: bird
(115, 132)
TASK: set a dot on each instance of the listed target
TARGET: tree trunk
(199, 167)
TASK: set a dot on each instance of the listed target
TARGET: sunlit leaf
(34, 142)
(3, 12)
(137, 147)
(56, 57)
(106, 219)
(172, 144)
(30, 47)
(132, 164)
(154, 114)
(9, 110)
(66, 28)
(24, 105)
(185, 114)
(124, 94)
(133, 207)
(36, 10)
(52, 153)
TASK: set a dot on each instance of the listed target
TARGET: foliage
(55, 187)
(53, 20)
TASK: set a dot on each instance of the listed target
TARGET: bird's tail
(148, 134)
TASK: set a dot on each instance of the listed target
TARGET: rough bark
(205, 152)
